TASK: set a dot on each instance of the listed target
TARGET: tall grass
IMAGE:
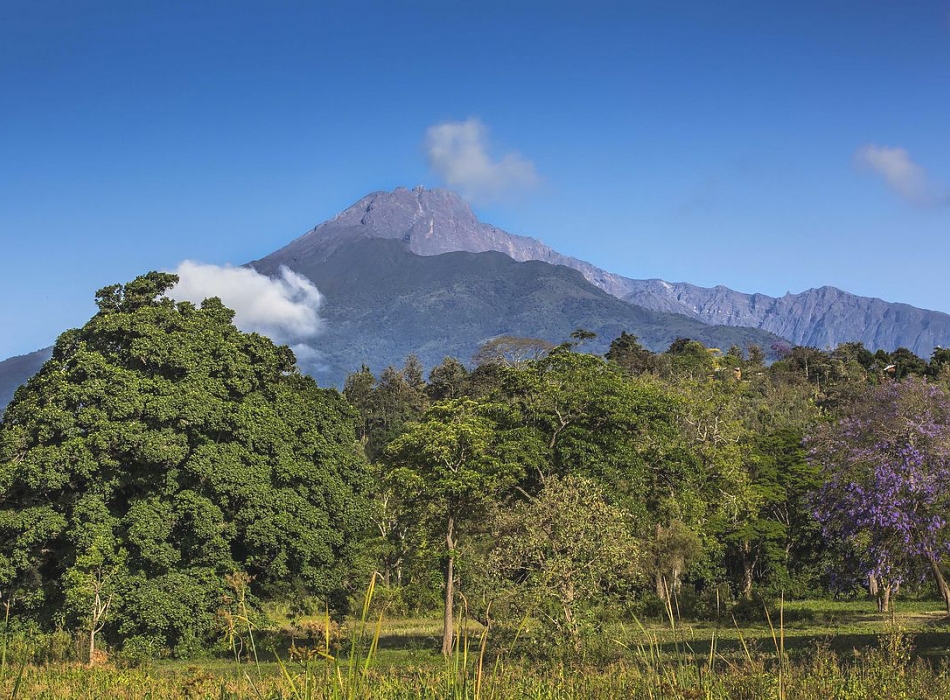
(651, 663)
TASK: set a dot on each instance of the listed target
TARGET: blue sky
(767, 147)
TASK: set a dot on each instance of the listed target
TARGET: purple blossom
(886, 468)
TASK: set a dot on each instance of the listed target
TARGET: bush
(754, 610)
(139, 651)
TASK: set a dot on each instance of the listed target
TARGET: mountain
(382, 302)
(821, 318)
(432, 222)
(414, 271)
(16, 370)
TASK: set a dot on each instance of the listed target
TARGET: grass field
(819, 650)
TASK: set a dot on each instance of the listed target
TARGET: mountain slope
(431, 222)
(820, 317)
(382, 302)
(17, 370)
(436, 221)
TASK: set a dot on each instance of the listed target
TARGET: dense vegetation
(159, 452)
(166, 479)
(639, 478)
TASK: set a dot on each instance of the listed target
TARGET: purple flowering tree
(886, 492)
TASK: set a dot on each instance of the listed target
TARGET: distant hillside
(821, 318)
(17, 370)
(383, 302)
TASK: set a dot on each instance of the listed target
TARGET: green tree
(626, 351)
(566, 551)
(939, 367)
(387, 404)
(774, 524)
(161, 449)
(449, 467)
(448, 380)
(906, 364)
(747, 494)
(669, 554)
(687, 358)
(592, 419)
(579, 336)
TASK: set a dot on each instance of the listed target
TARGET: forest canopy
(159, 454)
(163, 463)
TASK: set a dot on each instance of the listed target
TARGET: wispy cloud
(459, 152)
(901, 174)
(285, 309)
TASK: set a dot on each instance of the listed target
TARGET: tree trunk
(883, 597)
(941, 582)
(748, 566)
(570, 620)
(881, 592)
(99, 610)
(676, 573)
(449, 618)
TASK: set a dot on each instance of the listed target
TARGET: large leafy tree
(749, 488)
(565, 551)
(886, 465)
(160, 450)
(450, 467)
(592, 420)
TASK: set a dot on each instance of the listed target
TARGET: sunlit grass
(839, 649)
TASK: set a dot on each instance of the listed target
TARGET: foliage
(886, 491)
(566, 550)
(450, 466)
(161, 454)
(593, 421)
(161, 449)
(627, 352)
(387, 404)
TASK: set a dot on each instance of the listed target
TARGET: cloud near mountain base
(285, 308)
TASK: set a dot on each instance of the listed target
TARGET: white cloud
(285, 309)
(459, 154)
(900, 173)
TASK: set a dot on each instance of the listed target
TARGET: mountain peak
(428, 221)
(432, 222)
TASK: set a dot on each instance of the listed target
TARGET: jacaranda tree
(161, 451)
(886, 492)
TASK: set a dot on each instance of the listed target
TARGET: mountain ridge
(435, 221)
